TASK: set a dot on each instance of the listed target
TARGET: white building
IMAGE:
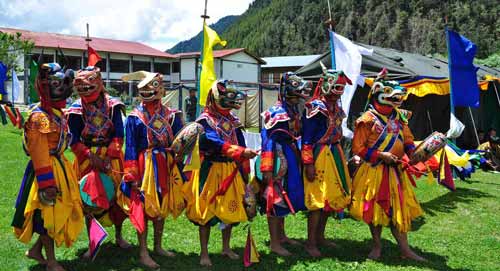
(120, 57)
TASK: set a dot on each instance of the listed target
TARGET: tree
(13, 46)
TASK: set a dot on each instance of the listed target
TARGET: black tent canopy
(431, 112)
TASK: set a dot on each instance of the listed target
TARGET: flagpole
(330, 35)
(205, 17)
(452, 106)
(496, 92)
(474, 126)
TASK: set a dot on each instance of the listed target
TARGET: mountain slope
(194, 43)
(295, 27)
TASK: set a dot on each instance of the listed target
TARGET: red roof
(220, 53)
(52, 40)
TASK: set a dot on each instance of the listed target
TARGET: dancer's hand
(310, 172)
(50, 193)
(388, 158)
(249, 153)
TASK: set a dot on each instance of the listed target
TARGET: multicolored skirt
(62, 221)
(161, 186)
(383, 195)
(207, 203)
(331, 189)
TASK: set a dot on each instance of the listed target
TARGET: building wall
(272, 75)
(188, 69)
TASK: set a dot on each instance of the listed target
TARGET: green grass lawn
(460, 231)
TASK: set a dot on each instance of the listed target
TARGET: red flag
(97, 234)
(94, 57)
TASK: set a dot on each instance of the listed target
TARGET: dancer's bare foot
(147, 261)
(312, 251)
(410, 254)
(86, 255)
(327, 243)
(205, 261)
(375, 253)
(289, 241)
(230, 254)
(122, 243)
(160, 251)
(54, 266)
(36, 255)
(281, 251)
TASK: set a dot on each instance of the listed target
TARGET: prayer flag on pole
(207, 75)
(16, 87)
(464, 90)
(94, 57)
(347, 56)
(33, 73)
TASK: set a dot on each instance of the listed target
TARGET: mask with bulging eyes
(153, 90)
(88, 82)
(334, 81)
(60, 81)
(226, 96)
(293, 87)
(388, 93)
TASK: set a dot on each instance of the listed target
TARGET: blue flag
(463, 81)
(3, 77)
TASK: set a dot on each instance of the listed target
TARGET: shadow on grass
(449, 201)
(111, 257)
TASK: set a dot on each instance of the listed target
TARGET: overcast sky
(158, 23)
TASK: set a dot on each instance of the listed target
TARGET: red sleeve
(80, 150)
(307, 154)
(233, 151)
(266, 162)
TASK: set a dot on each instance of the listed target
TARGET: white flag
(456, 127)
(348, 59)
(15, 86)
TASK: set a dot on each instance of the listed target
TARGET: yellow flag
(207, 76)
(193, 160)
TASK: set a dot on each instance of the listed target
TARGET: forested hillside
(295, 27)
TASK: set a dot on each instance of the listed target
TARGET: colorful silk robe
(322, 131)
(45, 139)
(383, 194)
(216, 191)
(281, 155)
(97, 128)
(148, 161)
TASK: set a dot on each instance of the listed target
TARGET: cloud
(157, 23)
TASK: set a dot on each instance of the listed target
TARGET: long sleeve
(76, 125)
(267, 157)
(212, 143)
(115, 146)
(131, 150)
(409, 145)
(177, 124)
(360, 142)
(38, 148)
(309, 136)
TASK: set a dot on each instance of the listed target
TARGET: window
(73, 62)
(163, 68)
(121, 87)
(45, 58)
(118, 65)
(176, 67)
(141, 66)
(239, 66)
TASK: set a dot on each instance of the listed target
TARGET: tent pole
(496, 92)
(474, 126)
(430, 121)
